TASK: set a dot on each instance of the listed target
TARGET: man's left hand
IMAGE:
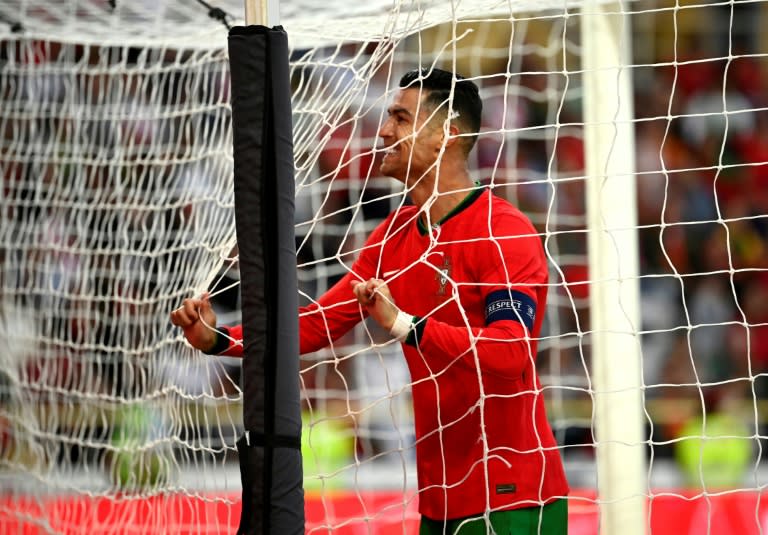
(375, 296)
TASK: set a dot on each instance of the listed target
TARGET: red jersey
(477, 284)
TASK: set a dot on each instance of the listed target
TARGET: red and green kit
(476, 283)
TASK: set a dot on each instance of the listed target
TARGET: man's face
(412, 142)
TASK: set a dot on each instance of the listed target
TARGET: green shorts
(552, 519)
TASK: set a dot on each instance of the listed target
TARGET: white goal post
(613, 268)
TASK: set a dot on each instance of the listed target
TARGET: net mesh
(117, 204)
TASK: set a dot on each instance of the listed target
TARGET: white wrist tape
(402, 326)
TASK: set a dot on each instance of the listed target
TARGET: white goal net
(116, 203)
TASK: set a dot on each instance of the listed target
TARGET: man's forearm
(502, 348)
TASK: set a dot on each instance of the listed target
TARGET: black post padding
(270, 453)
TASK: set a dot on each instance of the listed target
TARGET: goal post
(264, 191)
(262, 12)
(609, 148)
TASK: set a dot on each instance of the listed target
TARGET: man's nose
(386, 129)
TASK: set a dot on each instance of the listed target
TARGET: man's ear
(453, 135)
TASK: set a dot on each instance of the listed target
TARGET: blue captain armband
(510, 305)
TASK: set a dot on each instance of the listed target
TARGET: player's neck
(438, 195)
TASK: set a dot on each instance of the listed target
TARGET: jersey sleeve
(330, 316)
(513, 279)
(337, 310)
(229, 341)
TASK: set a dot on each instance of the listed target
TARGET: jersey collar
(465, 202)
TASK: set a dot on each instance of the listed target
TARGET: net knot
(219, 14)
(14, 25)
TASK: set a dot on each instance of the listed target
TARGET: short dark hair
(466, 97)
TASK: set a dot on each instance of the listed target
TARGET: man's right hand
(198, 321)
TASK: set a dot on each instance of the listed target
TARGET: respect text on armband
(510, 305)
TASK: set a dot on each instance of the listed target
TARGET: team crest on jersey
(443, 275)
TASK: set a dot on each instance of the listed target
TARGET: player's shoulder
(399, 218)
(408, 212)
(508, 218)
(395, 222)
(510, 241)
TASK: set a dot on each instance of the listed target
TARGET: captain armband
(510, 305)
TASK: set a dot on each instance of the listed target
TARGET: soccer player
(460, 278)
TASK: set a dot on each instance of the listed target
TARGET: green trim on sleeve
(417, 332)
(221, 344)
